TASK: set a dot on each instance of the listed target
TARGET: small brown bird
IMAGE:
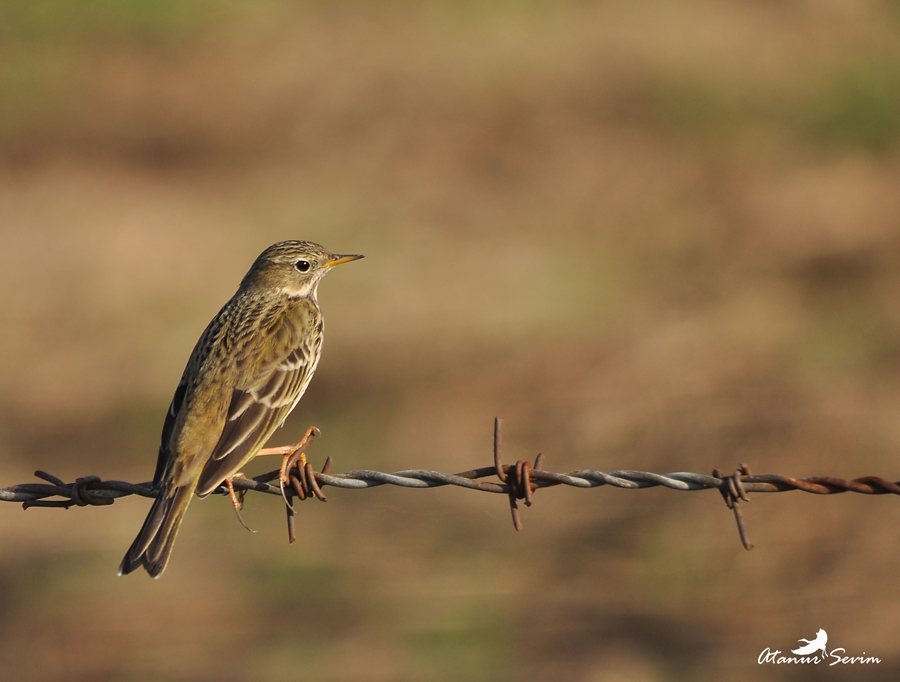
(245, 375)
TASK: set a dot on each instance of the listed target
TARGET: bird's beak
(341, 259)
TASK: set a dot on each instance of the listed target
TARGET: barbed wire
(518, 481)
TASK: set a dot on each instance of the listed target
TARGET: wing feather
(238, 429)
(168, 426)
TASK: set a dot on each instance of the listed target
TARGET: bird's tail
(153, 544)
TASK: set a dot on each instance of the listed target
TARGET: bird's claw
(294, 455)
(237, 498)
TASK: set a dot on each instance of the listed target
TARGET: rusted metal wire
(518, 482)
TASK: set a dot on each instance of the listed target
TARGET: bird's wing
(261, 402)
(167, 463)
(168, 426)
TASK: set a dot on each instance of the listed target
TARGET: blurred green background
(650, 235)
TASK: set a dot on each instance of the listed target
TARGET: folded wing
(261, 404)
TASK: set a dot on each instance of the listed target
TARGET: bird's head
(292, 268)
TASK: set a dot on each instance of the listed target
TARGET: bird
(246, 373)
(818, 643)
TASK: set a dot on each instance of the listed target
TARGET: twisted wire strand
(361, 479)
(518, 482)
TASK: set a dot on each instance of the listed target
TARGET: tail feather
(153, 544)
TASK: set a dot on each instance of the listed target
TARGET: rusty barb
(732, 491)
(518, 482)
(518, 478)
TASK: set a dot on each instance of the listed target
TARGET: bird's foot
(291, 455)
(237, 498)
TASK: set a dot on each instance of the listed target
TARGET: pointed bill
(341, 259)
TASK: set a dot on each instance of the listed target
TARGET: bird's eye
(302, 265)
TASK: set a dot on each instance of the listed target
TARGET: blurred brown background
(651, 235)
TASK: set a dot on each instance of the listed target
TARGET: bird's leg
(237, 499)
(291, 455)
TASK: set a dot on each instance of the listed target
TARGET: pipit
(245, 375)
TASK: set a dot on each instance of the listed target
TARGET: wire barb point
(733, 491)
(519, 483)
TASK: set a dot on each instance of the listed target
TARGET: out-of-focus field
(661, 236)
